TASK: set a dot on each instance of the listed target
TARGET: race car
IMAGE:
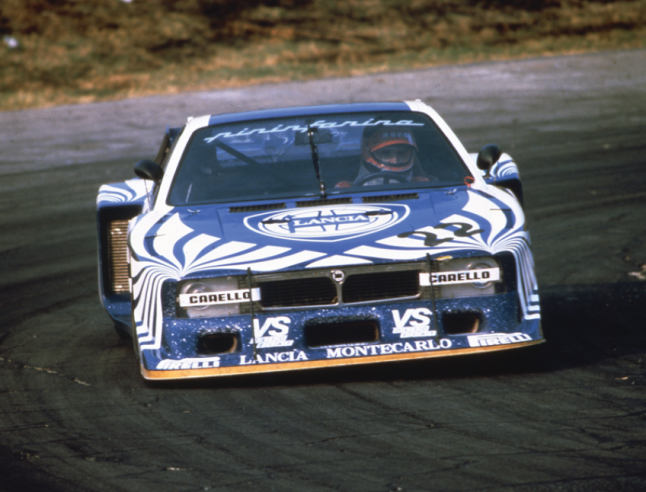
(312, 237)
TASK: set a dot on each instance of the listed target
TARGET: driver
(391, 152)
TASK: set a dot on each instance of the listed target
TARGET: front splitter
(313, 364)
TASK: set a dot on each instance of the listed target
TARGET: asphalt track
(76, 416)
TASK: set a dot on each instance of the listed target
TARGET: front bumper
(295, 339)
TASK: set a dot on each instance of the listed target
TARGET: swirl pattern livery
(287, 239)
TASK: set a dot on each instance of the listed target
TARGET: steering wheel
(387, 175)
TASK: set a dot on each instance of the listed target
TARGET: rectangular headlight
(214, 297)
(464, 277)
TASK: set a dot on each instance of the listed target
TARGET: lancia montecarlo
(312, 237)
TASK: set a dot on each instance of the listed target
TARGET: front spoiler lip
(292, 366)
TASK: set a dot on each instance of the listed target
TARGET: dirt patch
(74, 51)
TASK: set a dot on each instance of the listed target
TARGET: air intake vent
(381, 285)
(318, 203)
(217, 343)
(256, 208)
(390, 198)
(315, 291)
(118, 256)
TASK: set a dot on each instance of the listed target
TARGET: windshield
(315, 155)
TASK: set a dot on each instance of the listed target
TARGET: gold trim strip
(291, 366)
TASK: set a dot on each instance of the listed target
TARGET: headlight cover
(214, 297)
(464, 277)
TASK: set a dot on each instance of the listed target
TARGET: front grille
(381, 285)
(118, 256)
(314, 291)
(356, 284)
(317, 288)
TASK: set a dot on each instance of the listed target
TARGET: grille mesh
(318, 203)
(390, 198)
(255, 208)
(380, 285)
(118, 256)
(298, 292)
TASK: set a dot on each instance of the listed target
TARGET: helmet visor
(396, 156)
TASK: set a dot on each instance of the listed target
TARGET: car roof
(307, 111)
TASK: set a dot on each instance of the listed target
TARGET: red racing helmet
(389, 150)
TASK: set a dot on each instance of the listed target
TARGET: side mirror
(148, 169)
(488, 156)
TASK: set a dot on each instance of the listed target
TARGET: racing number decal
(430, 238)
(463, 231)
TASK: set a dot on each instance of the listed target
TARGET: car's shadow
(583, 325)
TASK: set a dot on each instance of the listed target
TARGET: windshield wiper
(315, 158)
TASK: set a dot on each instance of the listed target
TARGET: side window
(165, 150)
(169, 141)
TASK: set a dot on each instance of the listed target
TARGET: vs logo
(414, 323)
(273, 332)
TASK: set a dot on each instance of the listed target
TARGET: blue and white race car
(313, 237)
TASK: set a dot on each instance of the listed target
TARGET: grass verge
(82, 51)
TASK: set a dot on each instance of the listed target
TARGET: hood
(235, 238)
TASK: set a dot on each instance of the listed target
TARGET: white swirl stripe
(128, 191)
(151, 268)
(202, 252)
(500, 238)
